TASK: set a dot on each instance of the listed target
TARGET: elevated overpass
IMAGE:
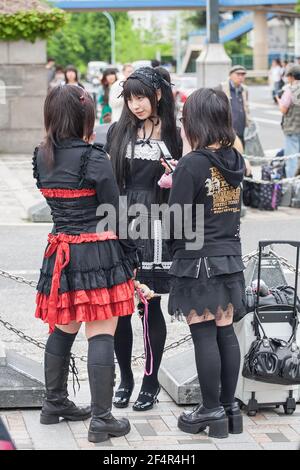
(118, 5)
(257, 13)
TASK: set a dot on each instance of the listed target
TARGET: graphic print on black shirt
(226, 198)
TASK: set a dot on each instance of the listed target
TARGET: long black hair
(207, 119)
(125, 130)
(105, 84)
(68, 113)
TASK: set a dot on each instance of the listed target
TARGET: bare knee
(72, 328)
(224, 317)
(101, 327)
(193, 317)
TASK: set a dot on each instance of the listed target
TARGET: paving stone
(170, 421)
(281, 446)
(54, 437)
(289, 433)
(237, 446)
(159, 426)
(195, 441)
(277, 437)
(145, 429)
(245, 437)
(296, 428)
(262, 438)
(134, 435)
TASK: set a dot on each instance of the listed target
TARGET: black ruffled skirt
(208, 284)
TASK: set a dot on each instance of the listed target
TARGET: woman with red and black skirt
(87, 272)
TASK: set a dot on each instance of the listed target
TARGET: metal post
(212, 21)
(178, 43)
(297, 38)
(112, 36)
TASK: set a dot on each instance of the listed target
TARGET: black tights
(217, 355)
(124, 341)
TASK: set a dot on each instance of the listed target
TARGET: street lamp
(112, 36)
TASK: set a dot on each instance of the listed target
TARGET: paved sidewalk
(156, 429)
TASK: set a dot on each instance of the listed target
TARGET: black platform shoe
(56, 404)
(146, 400)
(103, 424)
(122, 396)
(200, 418)
(235, 417)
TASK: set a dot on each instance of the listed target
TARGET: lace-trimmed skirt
(199, 286)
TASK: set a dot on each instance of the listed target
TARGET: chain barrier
(135, 359)
(254, 159)
(275, 181)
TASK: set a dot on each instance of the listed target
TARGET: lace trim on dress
(149, 151)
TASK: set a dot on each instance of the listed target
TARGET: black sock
(60, 343)
(157, 335)
(230, 362)
(101, 350)
(208, 361)
(123, 350)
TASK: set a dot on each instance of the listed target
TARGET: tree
(198, 18)
(86, 37)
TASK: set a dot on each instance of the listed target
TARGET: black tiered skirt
(207, 284)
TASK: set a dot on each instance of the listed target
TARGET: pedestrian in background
(276, 74)
(116, 100)
(237, 94)
(71, 76)
(50, 67)
(289, 105)
(109, 77)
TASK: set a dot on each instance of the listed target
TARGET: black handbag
(274, 360)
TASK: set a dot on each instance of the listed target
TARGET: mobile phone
(166, 156)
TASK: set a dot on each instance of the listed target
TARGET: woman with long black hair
(148, 118)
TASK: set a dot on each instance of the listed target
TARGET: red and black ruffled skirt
(84, 278)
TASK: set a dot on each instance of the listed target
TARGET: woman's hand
(134, 274)
(164, 164)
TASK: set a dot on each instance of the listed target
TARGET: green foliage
(86, 38)
(238, 46)
(31, 24)
(198, 19)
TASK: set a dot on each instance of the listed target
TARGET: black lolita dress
(86, 274)
(141, 188)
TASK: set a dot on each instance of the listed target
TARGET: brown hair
(207, 119)
(68, 113)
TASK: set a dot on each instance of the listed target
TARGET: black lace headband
(149, 77)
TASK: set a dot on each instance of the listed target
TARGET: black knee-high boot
(101, 371)
(123, 350)
(57, 363)
(157, 335)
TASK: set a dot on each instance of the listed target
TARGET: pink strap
(274, 196)
(146, 333)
